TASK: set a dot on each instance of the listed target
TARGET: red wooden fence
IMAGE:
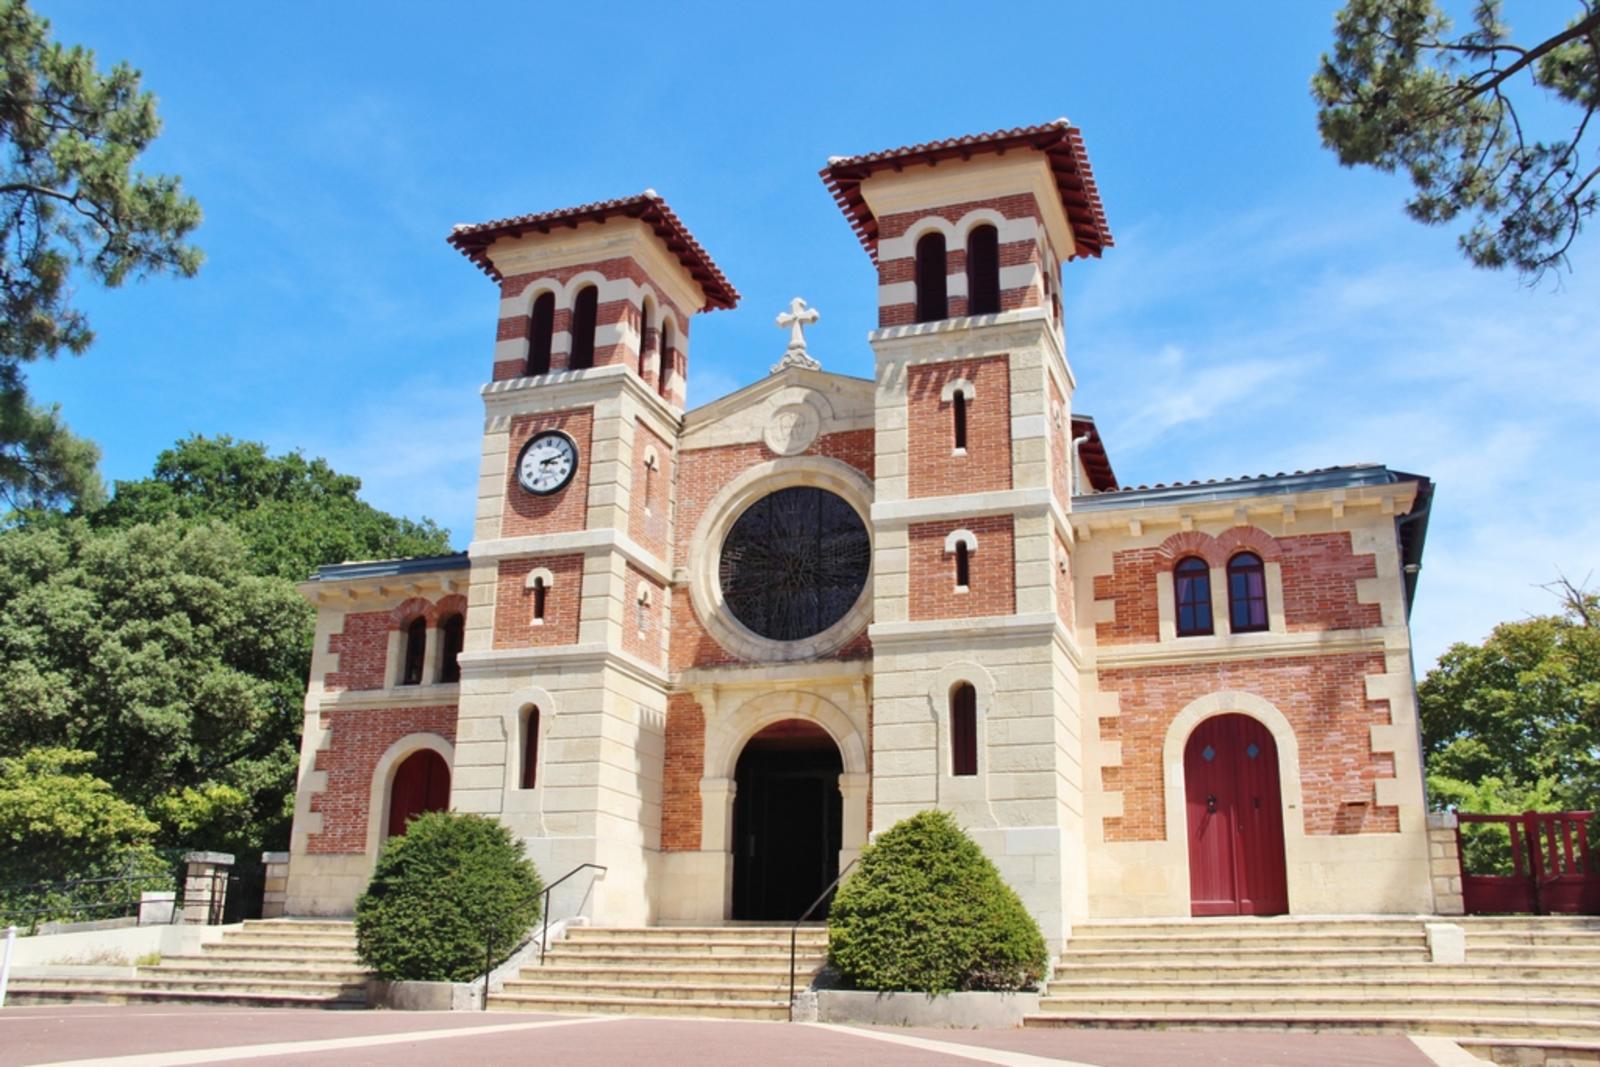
(1554, 867)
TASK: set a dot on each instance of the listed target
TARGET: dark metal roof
(474, 240)
(390, 568)
(1060, 141)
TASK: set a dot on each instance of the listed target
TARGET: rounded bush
(927, 912)
(444, 894)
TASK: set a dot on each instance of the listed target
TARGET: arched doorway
(421, 784)
(787, 818)
(1235, 814)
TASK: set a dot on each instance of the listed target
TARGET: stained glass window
(794, 563)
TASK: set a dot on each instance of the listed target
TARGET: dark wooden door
(421, 784)
(787, 828)
(1235, 815)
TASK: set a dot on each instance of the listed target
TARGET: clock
(547, 463)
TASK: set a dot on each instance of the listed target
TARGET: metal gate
(1552, 865)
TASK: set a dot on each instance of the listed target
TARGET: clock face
(548, 462)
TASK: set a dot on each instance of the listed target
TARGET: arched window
(1247, 593)
(1191, 580)
(541, 329)
(647, 333)
(416, 648)
(983, 271)
(584, 310)
(665, 364)
(452, 638)
(963, 730)
(530, 748)
(958, 412)
(541, 594)
(931, 302)
(963, 566)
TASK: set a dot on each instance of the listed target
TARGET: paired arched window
(1247, 593)
(983, 270)
(963, 729)
(416, 648)
(530, 747)
(541, 331)
(584, 311)
(932, 301)
(452, 638)
(665, 358)
(1191, 580)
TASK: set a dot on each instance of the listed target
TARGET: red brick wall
(931, 435)
(1064, 588)
(359, 736)
(650, 530)
(1319, 583)
(566, 509)
(1131, 586)
(363, 650)
(991, 570)
(683, 767)
(1323, 697)
(513, 603)
(1012, 253)
(644, 642)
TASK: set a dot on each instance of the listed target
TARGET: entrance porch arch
(381, 797)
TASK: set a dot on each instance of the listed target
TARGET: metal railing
(111, 897)
(544, 934)
(794, 931)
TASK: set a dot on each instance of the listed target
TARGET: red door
(1230, 772)
(421, 784)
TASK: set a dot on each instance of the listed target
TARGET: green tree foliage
(294, 514)
(58, 821)
(1514, 723)
(453, 885)
(927, 912)
(70, 200)
(157, 648)
(1403, 91)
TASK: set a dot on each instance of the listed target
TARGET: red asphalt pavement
(40, 1035)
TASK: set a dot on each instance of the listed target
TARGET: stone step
(275, 950)
(330, 925)
(676, 990)
(271, 986)
(1090, 992)
(1386, 1022)
(1327, 1005)
(718, 947)
(331, 942)
(718, 1009)
(1413, 938)
(626, 975)
(1550, 951)
(699, 933)
(29, 992)
(180, 965)
(1282, 955)
(1420, 971)
(675, 961)
(1235, 926)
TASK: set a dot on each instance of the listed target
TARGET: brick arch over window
(1217, 550)
(1251, 539)
(401, 615)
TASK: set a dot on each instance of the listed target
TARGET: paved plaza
(114, 1036)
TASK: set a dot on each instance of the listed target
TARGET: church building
(715, 650)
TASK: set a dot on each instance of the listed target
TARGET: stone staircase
(726, 972)
(275, 963)
(1526, 980)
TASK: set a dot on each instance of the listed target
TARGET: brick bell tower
(975, 662)
(563, 678)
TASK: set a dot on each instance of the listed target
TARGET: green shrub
(452, 884)
(926, 911)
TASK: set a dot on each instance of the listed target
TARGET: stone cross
(795, 320)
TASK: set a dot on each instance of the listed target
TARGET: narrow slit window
(983, 271)
(665, 359)
(416, 648)
(452, 638)
(1247, 593)
(648, 337)
(584, 310)
(541, 595)
(932, 302)
(530, 748)
(963, 566)
(958, 414)
(1191, 580)
(541, 330)
(963, 730)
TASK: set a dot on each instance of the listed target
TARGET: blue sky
(1262, 310)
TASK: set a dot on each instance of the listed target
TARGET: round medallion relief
(794, 563)
(792, 429)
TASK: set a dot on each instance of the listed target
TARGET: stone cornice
(889, 514)
(585, 541)
(1230, 648)
(492, 662)
(404, 696)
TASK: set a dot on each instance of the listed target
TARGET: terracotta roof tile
(474, 240)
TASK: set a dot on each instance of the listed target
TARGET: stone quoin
(714, 650)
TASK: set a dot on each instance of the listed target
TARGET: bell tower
(975, 663)
(564, 673)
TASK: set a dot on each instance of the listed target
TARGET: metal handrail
(794, 931)
(544, 935)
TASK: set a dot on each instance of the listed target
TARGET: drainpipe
(1077, 442)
